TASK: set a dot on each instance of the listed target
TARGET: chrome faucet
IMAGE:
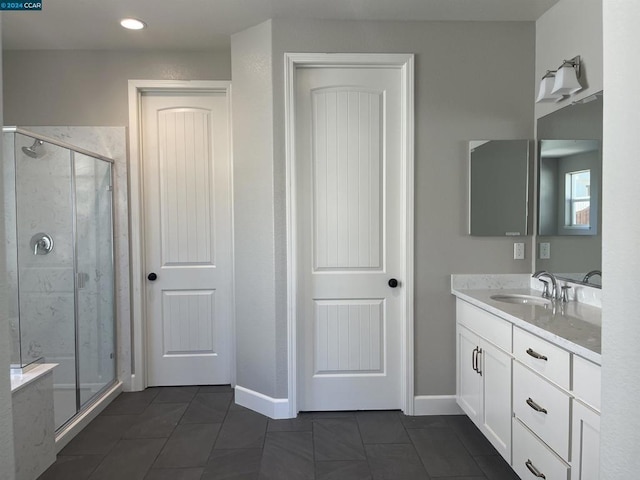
(591, 274)
(554, 284)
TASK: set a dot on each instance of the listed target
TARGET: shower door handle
(152, 276)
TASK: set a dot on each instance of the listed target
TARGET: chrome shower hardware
(32, 151)
(41, 244)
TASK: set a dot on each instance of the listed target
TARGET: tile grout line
(364, 447)
(174, 429)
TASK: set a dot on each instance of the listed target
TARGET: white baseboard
(436, 405)
(275, 408)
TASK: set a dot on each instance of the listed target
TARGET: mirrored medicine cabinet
(499, 187)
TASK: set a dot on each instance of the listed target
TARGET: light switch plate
(544, 249)
(518, 251)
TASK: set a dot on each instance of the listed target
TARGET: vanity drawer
(587, 381)
(485, 324)
(542, 407)
(542, 356)
(531, 456)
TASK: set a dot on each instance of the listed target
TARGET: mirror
(498, 187)
(569, 192)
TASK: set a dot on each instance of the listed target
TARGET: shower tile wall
(110, 142)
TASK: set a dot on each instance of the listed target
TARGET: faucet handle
(545, 289)
(564, 296)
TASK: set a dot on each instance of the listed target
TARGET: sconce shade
(566, 81)
(545, 93)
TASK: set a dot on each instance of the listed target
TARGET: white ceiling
(207, 24)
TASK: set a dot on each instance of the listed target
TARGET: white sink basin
(522, 299)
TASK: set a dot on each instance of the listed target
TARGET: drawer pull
(533, 469)
(535, 354)
(479, 353)
(535, 406)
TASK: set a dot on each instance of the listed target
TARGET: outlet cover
(518, 251)
(544, 248)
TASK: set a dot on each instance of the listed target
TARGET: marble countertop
(21, 380)
(574, 326)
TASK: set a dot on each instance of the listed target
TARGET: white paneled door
(350, 237)
(188, 250)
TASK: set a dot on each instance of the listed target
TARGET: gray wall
(80, 87)
(461, 94)
(6, 419)
(254, 210)
(620, 440)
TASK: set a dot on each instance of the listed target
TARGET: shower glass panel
(94, 280)
(60, 266)
(46, 288)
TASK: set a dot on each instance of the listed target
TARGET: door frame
(405, 63)
(136, 208)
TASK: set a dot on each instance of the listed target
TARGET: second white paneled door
(350, 237)
(188, 249)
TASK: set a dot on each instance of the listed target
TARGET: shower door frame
(138, 378)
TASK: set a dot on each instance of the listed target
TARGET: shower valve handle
(152, 276)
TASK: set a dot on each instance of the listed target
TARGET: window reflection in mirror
(569, 191)
(569, 186)
(498, 187)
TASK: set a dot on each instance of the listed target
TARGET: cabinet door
(585, 443)
(496, 418)
(469, 381)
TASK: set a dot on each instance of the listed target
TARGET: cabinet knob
(152, 276)
(393, 283)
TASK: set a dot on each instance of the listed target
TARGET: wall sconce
(545, 93)
(567, 77)
(557, 83)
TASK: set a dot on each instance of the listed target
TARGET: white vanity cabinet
(484, 373)
(536, 402)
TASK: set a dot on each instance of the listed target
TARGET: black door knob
(393, 283)
(152, 276)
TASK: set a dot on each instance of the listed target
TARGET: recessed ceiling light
(132, 23)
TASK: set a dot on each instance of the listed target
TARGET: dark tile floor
(198, 433)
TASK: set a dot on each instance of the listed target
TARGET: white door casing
(350, 176)
(183, 320)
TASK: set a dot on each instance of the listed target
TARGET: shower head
(32, 150)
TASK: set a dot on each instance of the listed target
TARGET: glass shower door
(45, 245)
(95, 276)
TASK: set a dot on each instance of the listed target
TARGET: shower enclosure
(59, 229)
